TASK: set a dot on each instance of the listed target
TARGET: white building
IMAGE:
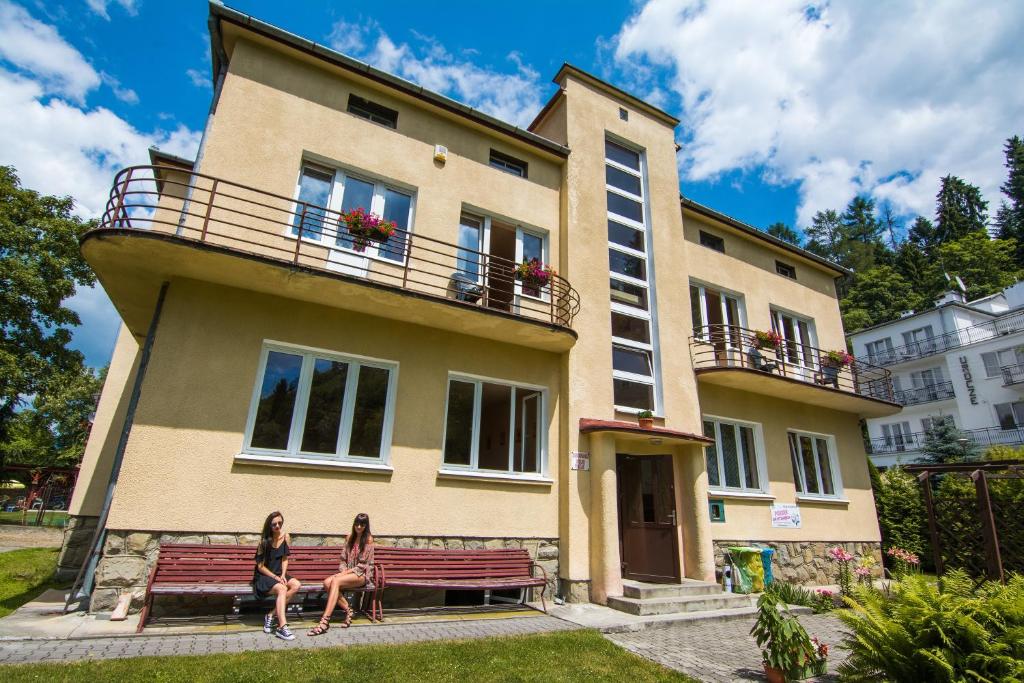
(961, 361)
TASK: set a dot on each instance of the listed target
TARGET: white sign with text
(786, 515)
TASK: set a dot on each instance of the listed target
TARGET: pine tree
(922, 233)
(859, 221)
(825, 235)
(959, 210)
(945, 443)
(1014, 185)
(783, 232)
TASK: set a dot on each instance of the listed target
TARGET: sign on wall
(786, 516)
(579, 460)
(968, 380)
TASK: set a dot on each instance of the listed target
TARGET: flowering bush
(865, 567)
(534, 274)
(839, 555)
(366, 227)
(904, 561)
(824, 600)
(838, 358)
(767, 340)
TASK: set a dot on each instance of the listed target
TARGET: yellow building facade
(273, 359)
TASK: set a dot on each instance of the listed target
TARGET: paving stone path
(715, 652)
(30, 651)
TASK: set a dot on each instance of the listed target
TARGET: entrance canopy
(631, 432)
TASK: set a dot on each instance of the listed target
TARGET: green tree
(859, 221)
(1010, 217)
(985, 265)
(960, 210)
(783, 232)
(901, 513)
(825, 235)
(922, 233)
(40, 267)
(876, 295)
(945, 443)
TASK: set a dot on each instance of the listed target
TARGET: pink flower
(840, 555)
(862, 571)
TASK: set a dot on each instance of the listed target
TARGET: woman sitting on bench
(356, 572)
(271, 575)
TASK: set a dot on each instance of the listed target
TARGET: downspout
(83, 585)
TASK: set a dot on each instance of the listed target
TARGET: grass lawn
(24, 574)
(571, 656)
(51, 518)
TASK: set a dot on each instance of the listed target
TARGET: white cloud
(198, 78)
(511, 96)
(100, 7)
(65, 147)
(126, 95)
(37, 48)
(843, 97)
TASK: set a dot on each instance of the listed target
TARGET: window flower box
(534, 275)
(767, 340)
(366, 227)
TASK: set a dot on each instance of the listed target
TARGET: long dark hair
(362, 518)
(267, 535)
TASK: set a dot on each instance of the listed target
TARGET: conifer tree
(783, 232)
(959, 210)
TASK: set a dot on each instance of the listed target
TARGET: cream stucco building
(267, 362)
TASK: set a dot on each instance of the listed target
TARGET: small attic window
(712, 241)
(785, 270)
(623, 114)
(508, 164)
(372, 111)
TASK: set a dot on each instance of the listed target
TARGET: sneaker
(284, 633)
(268, 623)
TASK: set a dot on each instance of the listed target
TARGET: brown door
(649, 545)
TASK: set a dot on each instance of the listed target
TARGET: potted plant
(366, 227)
(785, 646)
(767, 340)
(645, 418)
(837, 359)
(534, 275)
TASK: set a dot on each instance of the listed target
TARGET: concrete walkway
(153, 643)
(720, 651)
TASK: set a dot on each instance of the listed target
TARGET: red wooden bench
(507, 568)
(194, 569)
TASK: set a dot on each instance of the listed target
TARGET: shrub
(792, 594)
(901, 512)
(924, 633)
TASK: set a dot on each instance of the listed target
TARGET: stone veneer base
(574, 590)
(128, 558)
(805, 562)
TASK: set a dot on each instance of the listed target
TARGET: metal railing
(1007, 324)
(982, 437)
(940, 391)
(717, 346)
(230, 215)
(1012, 374)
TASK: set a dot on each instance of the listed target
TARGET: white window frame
(649, 316)
(1017, 413)
(1017, 359)
(812, 337)
(897, 434)
(884, 354)
(337, 195)
(723, 294)
(759, 456)
(474, 457)
(309, 355)
(484, 247)
(833, 459)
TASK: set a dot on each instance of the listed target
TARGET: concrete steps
(689, 596)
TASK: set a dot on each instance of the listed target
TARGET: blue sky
(788, 107)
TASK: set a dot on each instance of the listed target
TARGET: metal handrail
(220, 212)
(1012, 374)
(717, 346)
(906, 443)
(938, 391)
(1003, 325)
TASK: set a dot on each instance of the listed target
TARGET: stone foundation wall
(129, 556)
(75, 548)
(806, 562)
(575, 590)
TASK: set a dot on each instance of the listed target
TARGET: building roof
(219, 12)
(614, 91)
(762, 235)
(158, 157)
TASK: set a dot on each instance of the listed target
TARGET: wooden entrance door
(648, 542)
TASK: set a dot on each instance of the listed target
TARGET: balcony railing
(229, 215)
(1007, 324)
(940, 391)
(1012, 374)
(729, 346)
(984, 437)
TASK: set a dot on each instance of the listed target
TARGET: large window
(712, 307)
(318, 404)
(880, 351)
(1010, 415)
(797, 336)
(815, 467)
(338, 191)
(897, 435)
(735, 461)
(996, 360)
(634, 361)
(494, 427)
(919, 340)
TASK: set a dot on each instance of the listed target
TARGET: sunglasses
(276, 525)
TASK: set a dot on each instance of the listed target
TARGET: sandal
(348, 618)
(321, 628)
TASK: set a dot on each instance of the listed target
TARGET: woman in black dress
(271, 575)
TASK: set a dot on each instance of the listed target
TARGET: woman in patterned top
(356, 572)
(270, 578)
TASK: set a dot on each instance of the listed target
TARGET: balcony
(163, 222)
(940, 391)
(910, 443)
(990, 329)
(1013, 375)
(727, 355)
